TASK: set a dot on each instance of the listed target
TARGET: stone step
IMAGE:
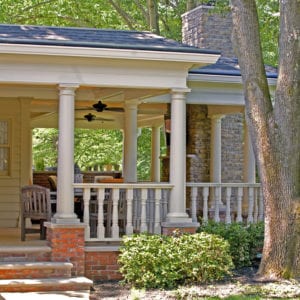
(24, 253)
(46, 284)
(23, 270)
(54, 295)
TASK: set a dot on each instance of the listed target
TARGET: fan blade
(116, 109)
(96, 119)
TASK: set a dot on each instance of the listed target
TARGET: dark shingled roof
(91, 37)
(229, 66)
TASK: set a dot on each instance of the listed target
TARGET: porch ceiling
(44, 106)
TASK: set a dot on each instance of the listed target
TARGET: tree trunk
(275, 132)
(153, 16)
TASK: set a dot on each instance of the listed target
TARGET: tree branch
(128, 20)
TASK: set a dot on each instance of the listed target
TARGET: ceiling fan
(100, 107)
(90, 117)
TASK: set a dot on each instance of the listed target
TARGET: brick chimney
(203, 28)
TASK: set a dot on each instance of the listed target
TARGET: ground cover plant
(156, 261)
(246, 241)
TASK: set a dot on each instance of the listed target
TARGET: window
(4, 147)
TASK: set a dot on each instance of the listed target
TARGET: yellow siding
(20, 154)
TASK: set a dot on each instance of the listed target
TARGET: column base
(178, 218)
(168, 228)
(65, 221)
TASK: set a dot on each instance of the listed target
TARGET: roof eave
(195, 57)
(217, 78)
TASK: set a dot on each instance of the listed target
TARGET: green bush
(245, 241)
(155, 261)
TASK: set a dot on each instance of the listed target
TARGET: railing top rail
(140, 185)
(215, 184)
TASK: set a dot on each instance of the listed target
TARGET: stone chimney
(203, 28)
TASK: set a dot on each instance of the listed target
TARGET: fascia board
(64, 51)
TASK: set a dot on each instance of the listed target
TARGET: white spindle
(228, 197)
(217, 203)
(129, 227)
(143, 212)
(100, 227)
(157, 227)
(205, 194)
(115, 219)
(250, 205)
(261, 206)
(239, 204)
(135, 210)
(193, 204)
(255, 213)
(86, 212)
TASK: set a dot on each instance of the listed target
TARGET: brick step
(24, 253)
(45, 284)
(23, 270)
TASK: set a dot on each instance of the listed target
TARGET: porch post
(177, 206)
(130, 142)
(216, 154)
(155, 153)
(65, 167)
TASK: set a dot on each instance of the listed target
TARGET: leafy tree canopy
(132, 15)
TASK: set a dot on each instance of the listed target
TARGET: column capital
(217, 116)
(67, 88)
(179, 94)
(180, 90)
(132, 104)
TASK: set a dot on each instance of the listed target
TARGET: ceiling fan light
(90, 117)
(99, 107)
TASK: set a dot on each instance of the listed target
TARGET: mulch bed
(241, 283)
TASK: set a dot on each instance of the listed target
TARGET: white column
(249, 159)
(130, 142)
(216, 154)
(155, 154)
(65, 168)
(177, 205)
(216, 149)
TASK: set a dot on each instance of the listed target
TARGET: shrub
(245, 241)
(155, 261)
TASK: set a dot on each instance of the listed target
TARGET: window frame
(8, 146)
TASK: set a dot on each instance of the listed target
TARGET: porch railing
(229, 202)
(111, 210)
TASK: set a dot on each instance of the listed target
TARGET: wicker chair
(36, 205)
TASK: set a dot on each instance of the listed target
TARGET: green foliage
(44, 148)
(245, 241)
(117, 14)
(91, 147)
(155, 261)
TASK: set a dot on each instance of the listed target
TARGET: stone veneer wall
(198, 143)
(232, 148)
(204, 29)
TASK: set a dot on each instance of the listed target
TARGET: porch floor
(12, 237)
